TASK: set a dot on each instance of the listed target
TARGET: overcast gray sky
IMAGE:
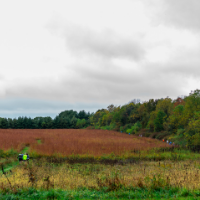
(86, 55)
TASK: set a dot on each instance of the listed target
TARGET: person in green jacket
(25, 157)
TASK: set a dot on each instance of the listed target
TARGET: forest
(66, 119)
(177, 120)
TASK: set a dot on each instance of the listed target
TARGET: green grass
(9, 164)
(25, 150)
(39, 141)
(9, 153)
(125, 193)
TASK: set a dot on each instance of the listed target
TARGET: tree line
(177, 120)
(66, 119)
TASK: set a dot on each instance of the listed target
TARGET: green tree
(151, 124)
(73, 122)
(83, 115)
(56, 122)
(143, 115)
(193, 131)
(165, 105)
(4, 123)
(111, 108)
(68, 113)
(10, 123)
(151, 105)
(159, 120)
(20, 124)
(44, 125)
(176, 120)
(192, 105)
(15, 123)
(80, 123)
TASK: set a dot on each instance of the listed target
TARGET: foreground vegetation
(82, 193)
(145, 174)
(157, 173)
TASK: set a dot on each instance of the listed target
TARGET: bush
(157, 182)
(105, 128)
(125, 128)
(121, 129)
(134, 129)
(1, 153)
(162, 135)
(109, 127)
(179, 138)
(8, 153)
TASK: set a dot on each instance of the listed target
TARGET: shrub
(179, 138)
(1, 153)
(162, 135)
(134, 129)
(125, 128)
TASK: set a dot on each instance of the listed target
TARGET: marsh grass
(152, 175)
(43, 178)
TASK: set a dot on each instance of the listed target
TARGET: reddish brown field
(74, 141)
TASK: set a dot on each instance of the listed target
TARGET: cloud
(179, 14)
(2, 78)
(109, 81)
(106, 44)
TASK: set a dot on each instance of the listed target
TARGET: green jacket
(24, 157)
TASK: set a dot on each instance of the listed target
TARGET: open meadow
(94, 164)
(74, 141)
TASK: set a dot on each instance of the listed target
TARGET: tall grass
(71, 141)
(42, 174)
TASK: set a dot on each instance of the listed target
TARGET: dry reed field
(184, 174)
(74, 141)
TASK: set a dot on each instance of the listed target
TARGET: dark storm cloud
(181, 13)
